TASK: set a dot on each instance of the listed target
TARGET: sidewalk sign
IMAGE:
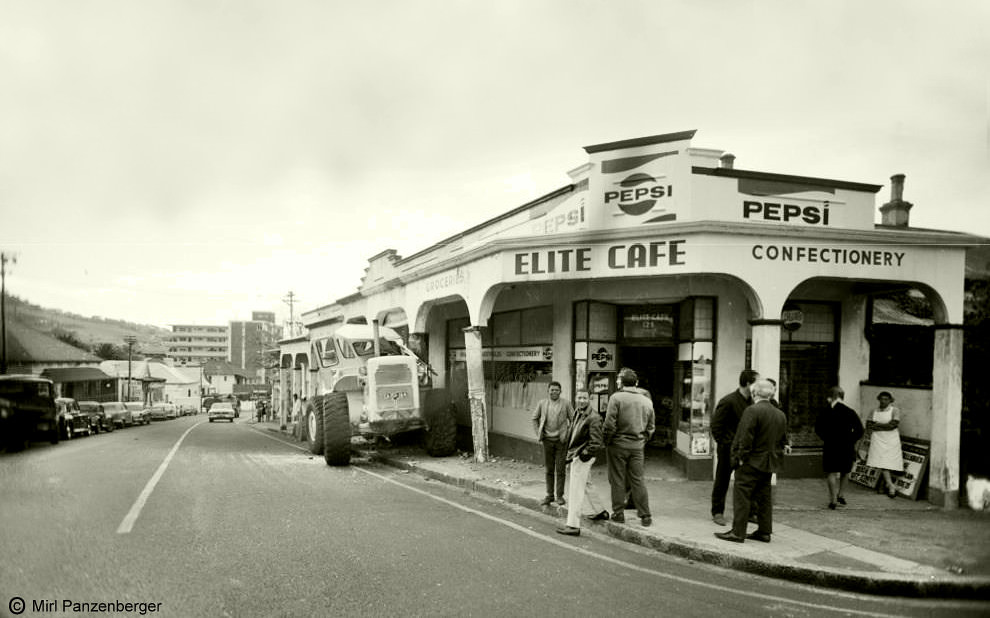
(915, 454)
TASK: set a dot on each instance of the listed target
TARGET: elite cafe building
(665, 258)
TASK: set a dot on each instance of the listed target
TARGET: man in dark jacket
(840, 429)
(629, 424)
(584, 445)
(757, 452)
(728, 411)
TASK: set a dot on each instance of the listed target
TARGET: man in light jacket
(584, 444)
(551, 422)
(629, 424)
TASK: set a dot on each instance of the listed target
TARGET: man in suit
(728, 411)
(757, 452)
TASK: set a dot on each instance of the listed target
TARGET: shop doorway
(655, 367)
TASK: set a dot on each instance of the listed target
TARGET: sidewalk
(875, 544)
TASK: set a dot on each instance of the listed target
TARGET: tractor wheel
(314, 425)
(336, 430)
(441, 432)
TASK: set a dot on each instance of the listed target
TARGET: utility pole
(291, 300)
(4, 258)
(130, 340)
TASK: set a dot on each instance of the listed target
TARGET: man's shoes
(561, 502)
(546, 501)
(719, 519)
(729, 536)
(618, 518)
(841, 500)
(603, 516)
(831, 505)
(569, 531)
(646, 522)
(759, 536)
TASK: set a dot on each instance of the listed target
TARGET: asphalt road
(200, 519)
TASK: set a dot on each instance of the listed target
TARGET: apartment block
(191, 344)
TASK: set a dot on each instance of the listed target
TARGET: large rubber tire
(441, 431)
(314, 425)
(336, 430)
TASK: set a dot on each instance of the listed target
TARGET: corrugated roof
(886, 311)
(74, 374)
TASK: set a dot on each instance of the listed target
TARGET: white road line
(128, 523)
(562, 544)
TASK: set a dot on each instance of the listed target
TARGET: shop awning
(63, 375)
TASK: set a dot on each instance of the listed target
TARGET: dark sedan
(99, 420)
(27, 410)
(71, 420)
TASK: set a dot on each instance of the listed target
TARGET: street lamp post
(130, 340)
(4, 258)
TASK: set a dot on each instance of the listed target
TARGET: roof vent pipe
(727, 160)
(896, 212)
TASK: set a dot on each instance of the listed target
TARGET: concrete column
(943, 469)
(766, 348)
(476, 392)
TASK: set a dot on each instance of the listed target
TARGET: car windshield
(366, 347)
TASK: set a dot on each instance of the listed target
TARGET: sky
(191, 161)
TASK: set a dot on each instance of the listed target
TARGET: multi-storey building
(249, 341)
(195, 345)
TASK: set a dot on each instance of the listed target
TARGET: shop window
(455, 332)
(901, 339)
(602, 322)
(506, 328)
(649, 322)
(580, 321)
(537, 325)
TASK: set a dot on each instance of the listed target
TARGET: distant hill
(88, 330)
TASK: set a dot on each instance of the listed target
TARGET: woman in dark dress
(840, 428)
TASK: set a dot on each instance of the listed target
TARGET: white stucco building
(668, 259)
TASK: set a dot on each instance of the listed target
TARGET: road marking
(128, 523)
(633, 567)
(941, 603)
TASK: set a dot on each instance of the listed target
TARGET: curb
(880, 584)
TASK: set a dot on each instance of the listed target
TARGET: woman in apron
(885, 440)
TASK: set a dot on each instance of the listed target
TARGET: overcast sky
(191, 161)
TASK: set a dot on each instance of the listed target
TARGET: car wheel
(211, 420)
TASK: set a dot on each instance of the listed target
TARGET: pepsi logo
(638, 194)
(602, 357)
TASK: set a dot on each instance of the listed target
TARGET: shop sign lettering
(828, 255)
(518, 353)
(445, 281)
(786, 213)
(616, 257)
(555, 222)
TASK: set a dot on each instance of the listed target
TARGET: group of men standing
(748, 426)
(573, 439)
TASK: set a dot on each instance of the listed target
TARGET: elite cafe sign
(639, 181)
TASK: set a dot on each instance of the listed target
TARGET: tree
(69, 337)
(108, 351)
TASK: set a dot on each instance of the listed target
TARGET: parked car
(120, 415)
(27, 410)
(139, 412)
(221, 410)
(157, 412)
(171, 410)
(99, 420)
(71, 420)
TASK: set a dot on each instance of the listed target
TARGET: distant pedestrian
(757, 452)
(885, 441)
(584, 445)
(840, 429)
(629, 425)
(551, 422)
(296, 407)
(728, 411)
